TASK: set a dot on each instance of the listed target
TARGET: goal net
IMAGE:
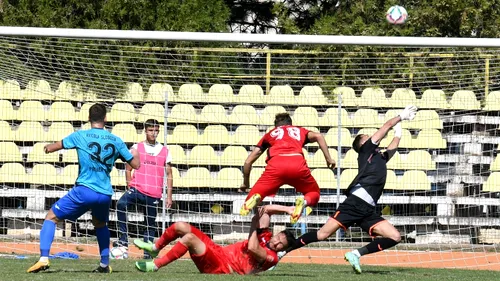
(215, 100)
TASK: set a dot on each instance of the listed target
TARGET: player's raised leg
(307, 185)
(268, 184)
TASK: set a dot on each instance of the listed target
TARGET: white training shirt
(154, 150)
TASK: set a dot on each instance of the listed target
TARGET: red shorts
(213, 260)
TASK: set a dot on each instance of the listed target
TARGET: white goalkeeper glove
(398, 130)
(408, 113)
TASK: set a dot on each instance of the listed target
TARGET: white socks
(356, 253)
(103, 265)
(154, 248)
(44, 259)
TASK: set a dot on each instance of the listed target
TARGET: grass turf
(13, 269)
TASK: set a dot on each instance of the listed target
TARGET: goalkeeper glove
(408, 113)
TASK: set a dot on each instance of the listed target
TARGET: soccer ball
(118, 253)
(396, 15)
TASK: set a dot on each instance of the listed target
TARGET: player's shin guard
(102, 234)
(168, 236)
(177, 251)
(47, 237)
(377, 245)
(303, 240)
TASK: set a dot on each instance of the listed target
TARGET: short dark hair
(151, 123)
(282, 119)
(356, 144)
(97, 113)
(290, 238)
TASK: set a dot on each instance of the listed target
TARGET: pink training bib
(149, 178)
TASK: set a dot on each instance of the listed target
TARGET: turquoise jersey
(97, 151)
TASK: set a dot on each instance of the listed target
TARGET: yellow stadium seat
(215, 134)
(213, 114)
(331, 118)
(183, 113)
(280, 95)
(325, 178)
(203, 155)
(246, 135)
(429, 138)
(70, 156)
(13, 173)
(84, 112)
(59, 130)
(68, 175)
(464, 100)
(6, 111)
(374, 97)
(229, 178)
(305, 116)
(332, 137)
(414, 180)
(30, 132)
(159, 92)
(492, 184)
(425, 119)
(133, 93)
(495, 166)
(183, 134)
(234, 156)
(117, 178)
(433, 99)
(10, 90)
(44, 174)
(121, 112)
(346, 177)
(61, 111)
(261, 161)
(9, 152)
(419, 160)
(244, 114)
(391, 181)
(349, 98)
(406, 141)
(220, 93)
(151, 111)
(38, 154)
(318, 159)
(255, 174)
(31, 111)
(252, 94)
(402, 97)
(175, 175)
(196, 178)
(366, 118)
(6, 133)
(191, 93)
(127, 132)
(69, 91)
(177, 153)
(367, 131)
(492, 101)
(311, 95)
(395, 162)
(350, 159)
(269, 113)
(38, 90)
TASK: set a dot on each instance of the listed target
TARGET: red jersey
(243, 262)
(284, 140)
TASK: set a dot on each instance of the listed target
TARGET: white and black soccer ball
(118, 253)
(396, 15)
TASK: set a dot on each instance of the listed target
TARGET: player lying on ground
(97, 151)
(363, 194)
(254, 255)
(285, 165)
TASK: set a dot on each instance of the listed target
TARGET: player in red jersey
(285, 165)
(256, 254)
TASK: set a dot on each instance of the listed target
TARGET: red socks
(175, 253)
(168, 236)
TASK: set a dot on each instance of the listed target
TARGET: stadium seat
(246, 135)
(255, 174)
(395, 162)
(331, 118)
(177, 153)
(69, 91)
(43, 174)
(133, 93)
(127, 132)
(10, 90)
(213, 114)
(425, 119)
(244, 114)
(59, 130)
(492, 101)
(7, 112)
(68, 175)
(350, 159)
(250, 94)
(151, 111)
(191, 93)
(332, 137)
(6, 133)
(269, 113)
(374, 97)
(280, 95)
(391, 181)
(31, 111)
(495, 166)
(229, 178)
(346, 177)
(61, 111)
(429, 138)
(121, 112)
(407, 140)
(215, 134)
(402, 97)
(318, 159)
(9, 152)
(69, 156)
(117, 178)
(184, 134)
(183, 113)
(366, 118)
(38, 90)
(349, 98)
(38, 154)
(220, 93)
(464, 100)
(305, 116)
(13, 173)
(30, 132)
(203, 155)
(84, 112)
(159, 92)
(234, 156)
(492, 184)
(367, 131)
(433, 99)
(419, 160)
(311, 95)
(414, 180)
(325, 178)
(195, 178)
(176, 176)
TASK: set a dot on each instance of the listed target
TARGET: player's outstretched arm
(247, 167)
(407, 114)
(265, 212)
(398, 132)
(53, 147)
(254, 247)
(318, 137)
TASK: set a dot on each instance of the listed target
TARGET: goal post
(216, 96)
